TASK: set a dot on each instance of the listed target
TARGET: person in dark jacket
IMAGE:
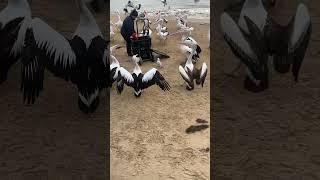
(127, 29)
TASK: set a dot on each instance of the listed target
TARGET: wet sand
(148, 138)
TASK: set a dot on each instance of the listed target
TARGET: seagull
(139, 81)
(164, 2)
(189, 73)
(158, 62)
(251, 50)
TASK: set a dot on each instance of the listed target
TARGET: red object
(134, 36)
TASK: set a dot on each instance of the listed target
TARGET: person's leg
(129, 51)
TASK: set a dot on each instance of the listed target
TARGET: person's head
(134, 14)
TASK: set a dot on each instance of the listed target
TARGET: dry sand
(273, 134)
(148, 138)
(51, 139)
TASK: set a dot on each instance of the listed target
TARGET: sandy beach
(273, 134)
(148, 138)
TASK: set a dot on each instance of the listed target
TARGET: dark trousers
(128, 43)
(129, 51)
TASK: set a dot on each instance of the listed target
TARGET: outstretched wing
(299, 39)
(237, 42)
(124, 77)
(152, 77)
(60, 57)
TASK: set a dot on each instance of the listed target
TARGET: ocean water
(199, 10)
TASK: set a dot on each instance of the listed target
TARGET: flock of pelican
(259, 41)
(82, 60)
(188, 46)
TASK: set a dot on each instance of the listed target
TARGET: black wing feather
(32, 69)
(159, 80)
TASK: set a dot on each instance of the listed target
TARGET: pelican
(139, 81)
(189, 73)
(286, 44)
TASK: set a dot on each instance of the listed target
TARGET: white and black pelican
(31, 41)
(189, 73)
(186, 50)
(92, 53)
(139, 81)
(286, 44)
(189, 41)
(84, 59)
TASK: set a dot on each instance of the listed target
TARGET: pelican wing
(203, 74)
(152, 77)
(98, 62)
(185, 75)
(124, 77)
(61, 58)
(299, 39)
(32, 69)
(256, 37)
(238, 43)
(276, 37)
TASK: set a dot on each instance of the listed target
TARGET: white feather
(88, 27)
(126, 75)
(231, 29)
(90, 99)
(148, 76)
(184, 73)
(203, 69)
(53, 42)
(15, 9)
(301, 23)
(255, 11)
